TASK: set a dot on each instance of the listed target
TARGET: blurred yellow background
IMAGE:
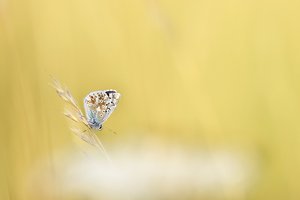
(206, 75)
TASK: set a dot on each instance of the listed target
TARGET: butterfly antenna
(111, 130)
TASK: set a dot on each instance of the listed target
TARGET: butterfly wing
(99, 105)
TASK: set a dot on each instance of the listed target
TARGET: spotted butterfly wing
(99, 105)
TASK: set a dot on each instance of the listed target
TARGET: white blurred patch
(152, 173)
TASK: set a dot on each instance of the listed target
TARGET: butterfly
(98, 106)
